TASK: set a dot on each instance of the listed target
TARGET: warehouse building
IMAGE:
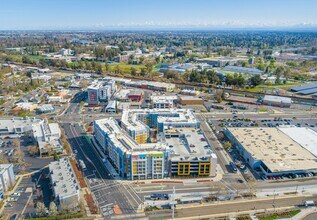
(64, 184)
(156, 143)
(272, 150)
(277, 101)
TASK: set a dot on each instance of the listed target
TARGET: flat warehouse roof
(308, 91)
(272, 98)
(304, 87)
(275, 149)
(306, 137)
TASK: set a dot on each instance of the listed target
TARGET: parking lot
(20, 202)
(239, 162)
(241, 121)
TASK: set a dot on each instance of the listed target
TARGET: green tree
(227, 145)
(149, 67)
(212, 77)
(55, 156)
(40, 209)
(256, 80)
(219, 99)
(42, 63)
(53, 209)
(133, 71)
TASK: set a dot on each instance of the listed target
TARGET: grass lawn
(262, 88)
(126, 68)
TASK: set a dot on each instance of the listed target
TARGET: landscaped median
(278, 215)
(58, 217)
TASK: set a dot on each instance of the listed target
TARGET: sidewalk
(304, 212)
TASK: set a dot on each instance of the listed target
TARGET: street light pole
(173, 205)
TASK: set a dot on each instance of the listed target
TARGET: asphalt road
(106, 190)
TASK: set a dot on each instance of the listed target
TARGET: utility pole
(296, 188)
(274, 200)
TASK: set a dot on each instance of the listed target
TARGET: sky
(134, 14)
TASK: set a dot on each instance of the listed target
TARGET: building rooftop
(63, 178)
(46, 107)
(272, 98)
(135, 92)
(308, 91)
(304, 87)
(163, 99)
(130, 118)
(243, 70)
(189, 98)
(4, 167)
(190, 145)
(20, 125)
(48, 135)
(275, 149)
(305, 137)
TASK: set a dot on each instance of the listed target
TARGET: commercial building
(17, 126)
(159, 101)
(151, 85)
(64, 184)
(112, 106)
(305, 137)
(100, 91)
(135, 95)
(7, 178)
(272, 150)
(189, 92)
(156, 143)
(190, 100)
(122, 95)
(243, 70)
(222, 61)
(277, 101)
(48, 138)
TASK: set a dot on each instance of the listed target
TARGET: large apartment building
(7, 178)
(100, 91)
(156, 143)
